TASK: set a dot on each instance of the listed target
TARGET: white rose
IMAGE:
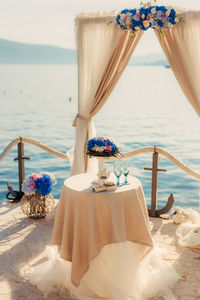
(192, 215)
(143, 16)
(98, 149)
(176, 19)
(153, 10)
(148, 4)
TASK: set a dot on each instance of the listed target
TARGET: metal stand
(153, 212)
(102, 173)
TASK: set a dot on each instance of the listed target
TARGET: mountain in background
(152, 59)
(20, 53)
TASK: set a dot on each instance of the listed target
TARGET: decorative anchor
(16, 196)
(153, 211)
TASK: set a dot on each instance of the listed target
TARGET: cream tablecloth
(87, 221)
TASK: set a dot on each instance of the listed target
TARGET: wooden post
(154, 185)
(153, 212)
(20, 158)
(21, 171)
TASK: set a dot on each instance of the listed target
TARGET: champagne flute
(125, 170)
(117, 171)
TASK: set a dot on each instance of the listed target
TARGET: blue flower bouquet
(37, 200)
(147, 16)
(100, 146)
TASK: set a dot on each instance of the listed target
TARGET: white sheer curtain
(181, 45)
(103, 53)
(95, 42)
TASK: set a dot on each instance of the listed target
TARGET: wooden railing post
(153, 212)
(154, 184)
(21, 171)
(20, 158)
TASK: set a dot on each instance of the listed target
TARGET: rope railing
(155, 150)
(110, 159)
(9, 148)
(125, 155)
(178, 163)
(158, 150)
(22, 139)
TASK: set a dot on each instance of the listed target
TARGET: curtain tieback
(80, 117)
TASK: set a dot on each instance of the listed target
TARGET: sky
(52, 21)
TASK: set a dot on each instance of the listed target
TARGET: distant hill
(20, 53)
(155, 59)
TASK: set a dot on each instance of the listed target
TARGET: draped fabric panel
(103, 53)
(181, 45)
(116, 65)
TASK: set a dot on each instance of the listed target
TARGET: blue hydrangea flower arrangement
(100, 146)
(40, 183)
(147, 16)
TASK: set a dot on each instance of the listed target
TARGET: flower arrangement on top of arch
(147, 16)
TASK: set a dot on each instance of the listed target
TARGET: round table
(102, 243)
(87, 221)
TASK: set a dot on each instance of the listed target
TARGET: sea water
(146, 108)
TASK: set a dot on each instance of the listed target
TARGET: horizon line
(60, 47)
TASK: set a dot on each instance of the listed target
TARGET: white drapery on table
(87, 221)
(103, 53)
(105, 246)
(181, 45)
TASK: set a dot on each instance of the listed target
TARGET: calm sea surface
(146, 108)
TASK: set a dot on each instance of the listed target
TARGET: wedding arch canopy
(104, 50)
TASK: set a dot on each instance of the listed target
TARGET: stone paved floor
(22, 244)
